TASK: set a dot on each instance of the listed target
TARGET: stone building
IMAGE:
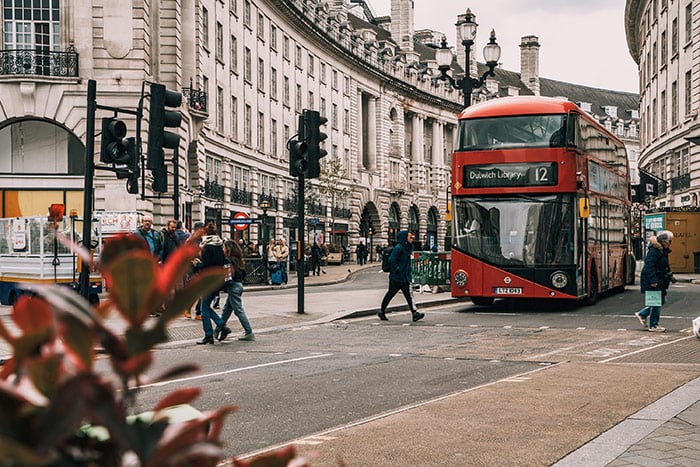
(663, 38)
(247, 69)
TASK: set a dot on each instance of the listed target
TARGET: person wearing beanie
(656, 275)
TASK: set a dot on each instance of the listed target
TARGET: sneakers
(417, 315)
(247, 337)
(382, 316)
(657, 329)
(642, 319)
(188, 314)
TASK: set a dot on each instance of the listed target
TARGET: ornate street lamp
(264, 205)
(443, 56)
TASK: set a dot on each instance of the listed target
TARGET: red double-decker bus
(541, 203)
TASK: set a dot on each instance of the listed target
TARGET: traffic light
(160, 180)
(298, 150)
(161, 118)
(112, 146)
(314, 136)
(131, 173)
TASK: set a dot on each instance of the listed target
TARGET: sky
(581, 41)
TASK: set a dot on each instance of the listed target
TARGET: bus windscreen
(516, 231)
(531, 131)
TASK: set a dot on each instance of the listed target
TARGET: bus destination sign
(505, 175)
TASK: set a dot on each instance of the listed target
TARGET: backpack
(386, 252)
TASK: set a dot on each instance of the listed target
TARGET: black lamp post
(264, 205)
(443, 56)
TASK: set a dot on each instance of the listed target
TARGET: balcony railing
(289, 204)
(343, 213)
(39, 62)
(269, 198)
(213, 190)
(196, 99)
(317, 209)
(680, 183)
(241, 196)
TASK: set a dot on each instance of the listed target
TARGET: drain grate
(683, 351)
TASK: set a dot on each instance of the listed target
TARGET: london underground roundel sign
(241, 221)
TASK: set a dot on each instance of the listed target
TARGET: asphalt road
(303, 382)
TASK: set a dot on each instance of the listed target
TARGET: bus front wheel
(482, 301)
(592, 290)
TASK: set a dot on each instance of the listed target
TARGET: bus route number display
(505, 175)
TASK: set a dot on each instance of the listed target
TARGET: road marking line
(234, 370)
(644, 350)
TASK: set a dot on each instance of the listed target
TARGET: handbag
(652, 298)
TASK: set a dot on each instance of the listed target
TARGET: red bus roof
(519, 105)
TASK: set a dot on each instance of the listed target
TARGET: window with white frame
(266, 183)
(322, 73)
(261, 26)
(261, 74)
(346, 159)
(334, 79)
(248, 125)
(347, 85)
(298, 98)
(334, 116)
(219, 50)
(247, 65)
(246, 12)
(273, 137)
(212, 169)
(674, 103)
(273, 36)
(273, 83)
(346, 121)
(234, 54)
(682, 161)
(688, 22)
(205, 28)
(241, 178)
(688, 92)
(310, 65)
(233, 7)
(261, 132)
(285, 99)
(234, 118)
(297, 57)
(219, 109)
(311, 100)
(285, 47)
(31, 27)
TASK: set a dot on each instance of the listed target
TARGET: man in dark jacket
(170, 239)
(656, 275)
(212, 256)
(400, 277)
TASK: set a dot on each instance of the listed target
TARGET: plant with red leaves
(52, 398)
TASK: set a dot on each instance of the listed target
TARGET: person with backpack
(212, 256)
(400, 277)
(234, 289)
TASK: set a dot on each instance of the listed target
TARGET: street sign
(314, 220)
(240, 221)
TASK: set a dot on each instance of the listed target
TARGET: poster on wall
(19, 234)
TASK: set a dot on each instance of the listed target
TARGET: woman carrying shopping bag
(655, 277)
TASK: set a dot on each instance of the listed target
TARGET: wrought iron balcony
(289, 204)
(317, 209)
(344, 213)
(39, 62)
(196, 99)
(241, 196)
(213, 190)
(269, 198)
(680, 183)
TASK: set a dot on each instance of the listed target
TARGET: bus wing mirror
(584, 207)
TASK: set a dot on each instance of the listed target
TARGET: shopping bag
(696, 327)
(652, 298)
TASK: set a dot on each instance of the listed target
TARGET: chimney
(530, 63)
(402, 23)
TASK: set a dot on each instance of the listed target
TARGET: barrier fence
(429, 268)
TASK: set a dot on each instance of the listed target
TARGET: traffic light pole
(84, 280)
(301, 269)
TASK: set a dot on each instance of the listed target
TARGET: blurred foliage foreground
(56, 410)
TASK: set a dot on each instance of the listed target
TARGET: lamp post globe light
(443, 57)
(264, 205)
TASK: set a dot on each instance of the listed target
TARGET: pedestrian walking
(316, 254)
(400, 277)
(170, 239)
(282, 254)
(234, 288)
(181, 233)
(198, 306)
(153, 238)
(656, 275)
(212, 256)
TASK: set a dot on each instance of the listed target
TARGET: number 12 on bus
(541, 203)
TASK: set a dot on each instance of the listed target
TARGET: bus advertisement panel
(541, 203)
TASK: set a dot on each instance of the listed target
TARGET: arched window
(394, 222)
(414, 221)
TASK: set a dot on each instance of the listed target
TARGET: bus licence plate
(508, 290)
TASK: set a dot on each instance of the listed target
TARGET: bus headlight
(461, 278)
(559, 280)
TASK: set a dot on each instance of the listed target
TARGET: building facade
(663, 39)
(247, 69)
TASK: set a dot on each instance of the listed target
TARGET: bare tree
(332, 184)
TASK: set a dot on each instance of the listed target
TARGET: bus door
(604, 242)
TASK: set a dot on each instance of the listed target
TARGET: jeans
(209, 314)
(394, 287)
(653, 312)
(235, 303)
(283, 268)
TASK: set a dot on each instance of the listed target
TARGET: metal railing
(39, 62)
(241, 196)
(196, 99)
(213, 190)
